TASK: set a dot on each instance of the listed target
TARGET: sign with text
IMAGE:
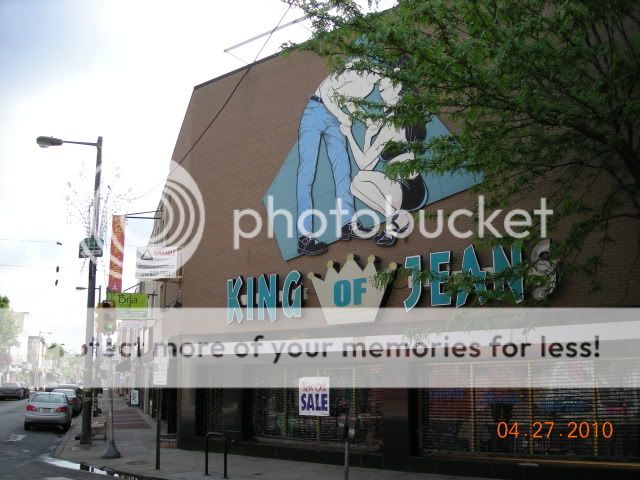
(313, 396)
(90, 247)
(156, 262)
(134, 397)
(160, 369)
(130, 306)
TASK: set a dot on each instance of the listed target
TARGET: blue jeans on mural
(318, 123)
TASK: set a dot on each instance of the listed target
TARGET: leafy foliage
(8, 326)
(541, 96)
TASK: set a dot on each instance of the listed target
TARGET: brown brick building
(235, 163)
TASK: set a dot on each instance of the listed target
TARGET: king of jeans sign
(352, 287)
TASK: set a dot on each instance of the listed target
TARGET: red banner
(117, 253)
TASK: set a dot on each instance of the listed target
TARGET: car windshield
(9, 385)
(66, 391)
(48, 398)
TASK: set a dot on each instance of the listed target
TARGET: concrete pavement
(137, 446)
(24, 454)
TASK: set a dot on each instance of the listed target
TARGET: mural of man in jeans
(321, 120)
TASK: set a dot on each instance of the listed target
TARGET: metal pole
(85, 435)
(226, 451)
(97, 411)
(158, 419)
(346, 459)
(111, 451)
(37, 377)
(206, 455)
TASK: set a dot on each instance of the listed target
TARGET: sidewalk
(135, 436)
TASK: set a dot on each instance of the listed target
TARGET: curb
(63, 443)
(70, 434)
(133, 475)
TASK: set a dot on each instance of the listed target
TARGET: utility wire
(24, 240)
(12, 265)
(221, 109)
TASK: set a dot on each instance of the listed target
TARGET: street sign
(134, 397)
(90, 247)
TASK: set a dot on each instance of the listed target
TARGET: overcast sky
(76, 69)
(125, 70)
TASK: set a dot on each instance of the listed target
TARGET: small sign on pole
(160, 369)
(134, 397)
(90, 247)
(313, 396)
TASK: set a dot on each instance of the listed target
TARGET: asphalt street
(23, 453)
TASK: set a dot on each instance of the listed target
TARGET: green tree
(541, 96)
(8, 326)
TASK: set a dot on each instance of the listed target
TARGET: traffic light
(106, 317)
(109, 316)
(99, 320)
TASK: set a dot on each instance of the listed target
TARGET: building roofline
(233, 72)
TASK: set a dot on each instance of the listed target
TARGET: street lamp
(45, 142)
(99, 288)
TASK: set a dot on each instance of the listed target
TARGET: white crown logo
(349, 296)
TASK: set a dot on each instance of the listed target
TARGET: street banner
(117, 253)
(313, 396)
(130, 306)
(156, 262)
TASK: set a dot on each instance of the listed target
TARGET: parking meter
(347, 425)
(342, 426)
(351, 434)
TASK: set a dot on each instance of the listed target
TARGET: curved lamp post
(45, 142)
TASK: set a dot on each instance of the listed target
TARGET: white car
(48, 408)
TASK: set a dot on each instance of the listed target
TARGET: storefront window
(599, 422)
(275, 411)
(208, 410)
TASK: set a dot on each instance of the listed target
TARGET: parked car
(48, 408)
(27, 389)
(11, 390)
(74, 399)
(71, 386)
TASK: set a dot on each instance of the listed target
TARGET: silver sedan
(48, 408)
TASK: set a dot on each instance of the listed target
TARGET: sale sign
(313, 396)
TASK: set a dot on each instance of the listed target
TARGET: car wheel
(66, 427)
(26, 426)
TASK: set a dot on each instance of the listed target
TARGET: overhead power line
(27, 240)
(15, 265)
